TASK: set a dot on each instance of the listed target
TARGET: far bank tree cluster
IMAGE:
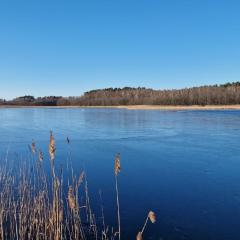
(225, 94)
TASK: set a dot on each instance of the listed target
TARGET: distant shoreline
(141, 107)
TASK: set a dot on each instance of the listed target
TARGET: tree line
(224, 94)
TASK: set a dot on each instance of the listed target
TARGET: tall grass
(117, 168)
(34, 202)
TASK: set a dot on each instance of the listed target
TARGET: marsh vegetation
(39, 203)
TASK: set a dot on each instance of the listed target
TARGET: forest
(224, 94)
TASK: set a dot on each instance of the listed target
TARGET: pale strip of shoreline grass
(143, 107)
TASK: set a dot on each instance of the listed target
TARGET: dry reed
(71, 198)
(117, 167)
(152, 217)
(52, 147)
(36, 205)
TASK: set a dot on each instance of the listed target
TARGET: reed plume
(152, 217)
(71, 198)
(52, 148)
(117, 167)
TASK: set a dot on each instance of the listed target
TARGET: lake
(183, 165)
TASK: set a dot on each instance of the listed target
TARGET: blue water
(183, 165)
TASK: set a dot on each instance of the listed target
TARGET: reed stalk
(36, 203)
(117, 167)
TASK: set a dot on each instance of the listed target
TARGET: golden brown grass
(35, 204)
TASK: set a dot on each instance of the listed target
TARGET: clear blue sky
(67, 47)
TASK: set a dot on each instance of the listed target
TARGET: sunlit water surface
(183, 165)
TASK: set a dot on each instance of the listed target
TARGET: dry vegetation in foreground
(34, 205)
